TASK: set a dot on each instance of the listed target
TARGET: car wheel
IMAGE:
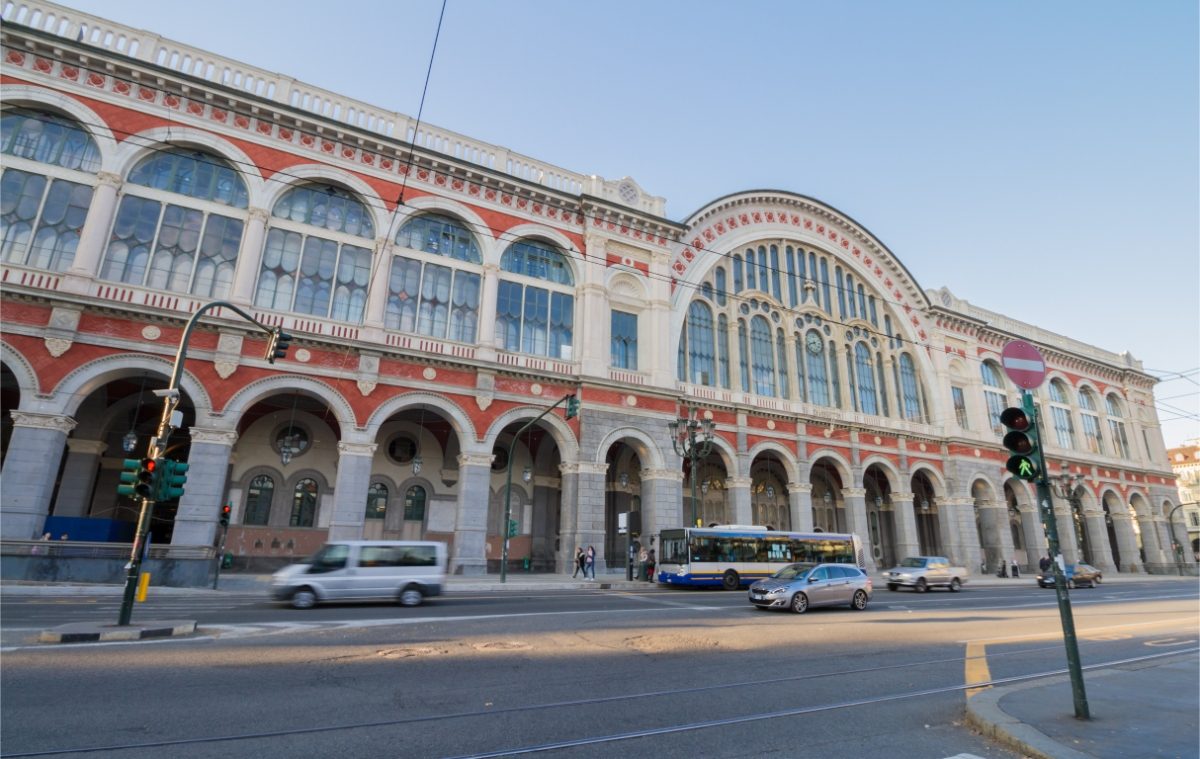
(411, 596)
(859, 602)
(730, 581)
(921, 587)
(891, 586)
(304, 598)
(1096, 581)
(799, 603)
(955, 585)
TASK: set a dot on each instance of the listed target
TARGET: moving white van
(364, 570)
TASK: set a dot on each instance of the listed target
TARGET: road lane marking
(976, 668)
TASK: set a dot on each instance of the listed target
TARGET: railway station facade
(442, 292)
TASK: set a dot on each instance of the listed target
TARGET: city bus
(735, 555)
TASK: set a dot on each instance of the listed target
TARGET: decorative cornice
(475, 459)
(357, 449)
(56, 422)
(213, 436)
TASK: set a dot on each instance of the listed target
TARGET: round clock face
(814, 342)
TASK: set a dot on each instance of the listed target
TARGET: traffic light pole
(1046, 510)
(158, 447)
(572, 410)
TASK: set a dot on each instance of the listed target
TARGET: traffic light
(225, 514)
(129, 477)
(277, 345)
(512, 528)
(572, 406)
(1022, 442)
(171, 477)
(140, 478)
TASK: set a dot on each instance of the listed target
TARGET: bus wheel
(731, 581)
(799, 603)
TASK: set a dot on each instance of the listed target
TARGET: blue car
(1078, 576)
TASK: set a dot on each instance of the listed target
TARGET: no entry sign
(1023, 364)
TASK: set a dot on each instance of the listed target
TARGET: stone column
(377, 293)
(350, 490)
(79, 477)
(800, 506)
(855, 500)
(1067, 541)
(204, 492)
(1131, 561)
(1097, 532)
(486, 341)
(470, 524)
(249, 257)
(588, 502)
(662, 500)
(739, 492)
(1035, 535)
(907, 541)
(34, 453)
(93, 235)
(1152, 544)
(996, 538)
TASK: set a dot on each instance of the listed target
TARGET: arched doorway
(768, 492)
(881, 516)
(828, 504)
(623, 488)
(926, 510)
(535, 501)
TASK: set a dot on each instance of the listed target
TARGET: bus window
(778, 549)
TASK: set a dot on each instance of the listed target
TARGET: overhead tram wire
(283, 177)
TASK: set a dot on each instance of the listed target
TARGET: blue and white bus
(735, 555)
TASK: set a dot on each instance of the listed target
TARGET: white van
(363, 570)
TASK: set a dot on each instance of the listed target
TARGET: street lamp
(1063, 486)
(691, 437)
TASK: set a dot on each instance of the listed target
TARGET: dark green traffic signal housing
(572, 406)
(172, 476)
(277, 345)
(1022, 442)
(129, 477)
(145, 479)
(225, 509)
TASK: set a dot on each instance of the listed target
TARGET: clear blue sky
(1052, 144)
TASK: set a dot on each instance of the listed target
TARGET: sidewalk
(1145, 709)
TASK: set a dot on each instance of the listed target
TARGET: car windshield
(792, 571)
(912, 562)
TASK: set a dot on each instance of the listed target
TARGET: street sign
(1023, 364)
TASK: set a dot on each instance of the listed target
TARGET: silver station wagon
(800, 587)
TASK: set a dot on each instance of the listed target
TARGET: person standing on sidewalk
(1044, 564)
(578, 563)
(589, 563)
(1016, 569)
(650, 562)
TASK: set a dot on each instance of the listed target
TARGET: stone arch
(537, 231)
(982, 488)
(935, 477)
(835, 459)
(790, 467)
(296, 176)
(890, 471)
(73, 389)
(1139, 504)
(149, 141)
(729, 457)
(1026, 501)
(241, 401)
(646, 448)
(460, 420)
(560, 431)
(87, 119)
(625, 284)
(476, 224)
(27, 379)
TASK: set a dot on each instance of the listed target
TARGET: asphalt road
(661, 673)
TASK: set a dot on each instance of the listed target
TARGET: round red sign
(1023, 364)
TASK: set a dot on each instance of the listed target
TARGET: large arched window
(763, 358)
(377, 501)
(910, 394)
(1116, 426)
(414, 504)
(723, 350)
(537, 319)
(304, 503)
(781, 357)
(174, 230)
(439, 296)
(816, 374)
(258, 500)
(1064, 430)
(699, 343)
(1090, 421)
(43, 207)
(864, 372)
(317, 257)
(993, 394)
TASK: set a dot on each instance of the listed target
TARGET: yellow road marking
(976, 668)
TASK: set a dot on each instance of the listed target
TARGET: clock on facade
(814, 343)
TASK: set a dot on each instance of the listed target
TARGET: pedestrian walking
(589, 563)
(579, 557)
(1044, 564)
(650, 562)
(1016, 568)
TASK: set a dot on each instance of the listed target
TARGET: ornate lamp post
(691, 437)
(1063, 486)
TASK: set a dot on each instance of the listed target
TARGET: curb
(85, 632)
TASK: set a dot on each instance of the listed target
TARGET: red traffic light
(1015, 419)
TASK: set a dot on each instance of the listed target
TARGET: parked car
(1078, 575)
(800, 587)
(924, 572)
(364, 570)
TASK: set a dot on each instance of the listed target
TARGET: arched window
(835, 380)
(377, 500)
(737, 273)
(723, 350)
(317, 257)
(700, 367)
(763, 356)
(1116, 426)
(1064, 430)
(775, 284)
(41, 216)
(751, 270)
(304, 503)
(414, 504)
(993, 394)
(534, 319)
(437, 299)
(174, 230)
(865, 373)
(910, 396)
(721, 293)
(781, 357)
(817, 376)
(1090, 421)
(258, 500)
(793, 295)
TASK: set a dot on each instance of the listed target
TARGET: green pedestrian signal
(1021, 440)
(572, 406)
(171, 478)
